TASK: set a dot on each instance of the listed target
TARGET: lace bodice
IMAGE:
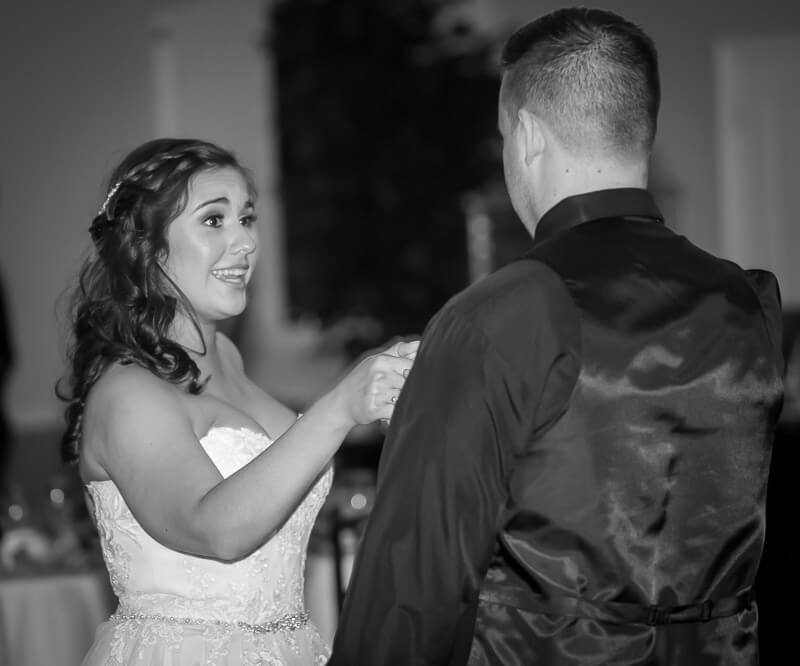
(150, 578)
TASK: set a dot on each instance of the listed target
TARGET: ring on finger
(393, 399)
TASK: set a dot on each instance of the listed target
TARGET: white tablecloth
(50, 620)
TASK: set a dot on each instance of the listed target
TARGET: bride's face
(213, 244)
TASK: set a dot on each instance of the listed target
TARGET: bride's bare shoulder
(127, 400)
(130, 377)
(128, 388)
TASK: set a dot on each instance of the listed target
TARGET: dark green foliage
(386, 119)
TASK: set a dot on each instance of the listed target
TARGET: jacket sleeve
(442, 496)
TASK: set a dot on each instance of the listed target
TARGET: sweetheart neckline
(246, 429)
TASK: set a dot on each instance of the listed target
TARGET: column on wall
(756, 144)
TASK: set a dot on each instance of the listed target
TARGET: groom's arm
(466, 410)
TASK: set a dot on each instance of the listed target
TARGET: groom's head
(579, 85)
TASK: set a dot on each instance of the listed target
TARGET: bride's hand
(370, 390)
(405, 349)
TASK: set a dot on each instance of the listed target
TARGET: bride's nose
(244, 242)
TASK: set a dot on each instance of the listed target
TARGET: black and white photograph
(399, 332)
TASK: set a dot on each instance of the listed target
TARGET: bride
(204, 488)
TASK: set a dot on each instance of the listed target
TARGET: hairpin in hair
(104, 208)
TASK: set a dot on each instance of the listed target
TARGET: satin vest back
(649, 489)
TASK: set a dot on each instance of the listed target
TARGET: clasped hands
(378, 379)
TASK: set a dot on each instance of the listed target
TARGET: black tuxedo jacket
(577, 467)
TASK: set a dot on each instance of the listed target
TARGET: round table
(51, 619)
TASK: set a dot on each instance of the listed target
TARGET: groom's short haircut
(591, 75)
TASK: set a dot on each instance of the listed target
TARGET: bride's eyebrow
(212, 201)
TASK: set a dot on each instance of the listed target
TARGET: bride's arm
(141, 435)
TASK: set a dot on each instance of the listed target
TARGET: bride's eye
(214, 220)
(248, 220)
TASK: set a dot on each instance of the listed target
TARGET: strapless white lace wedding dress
(180, 610)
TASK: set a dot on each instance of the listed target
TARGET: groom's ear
(531, 134)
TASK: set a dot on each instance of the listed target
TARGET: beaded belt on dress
(290, 622)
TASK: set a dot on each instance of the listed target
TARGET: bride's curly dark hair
(124, 303)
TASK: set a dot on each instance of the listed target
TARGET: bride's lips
(233, 275)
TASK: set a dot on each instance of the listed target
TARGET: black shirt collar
(628, 202)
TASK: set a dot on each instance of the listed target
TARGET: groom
(576, 470)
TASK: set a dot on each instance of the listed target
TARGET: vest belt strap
(622, 613)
